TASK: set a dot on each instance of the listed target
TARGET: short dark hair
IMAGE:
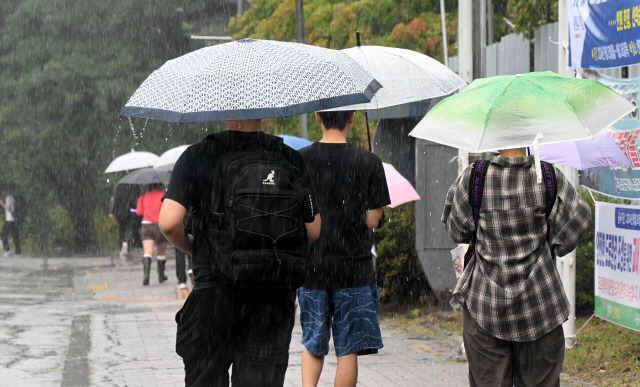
(335, 119)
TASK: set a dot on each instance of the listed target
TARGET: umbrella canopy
(250, 79)
(168, 159)
(132, 160)
(601, 151)
(146, 176)
(406, 76)
(295, 142)
(400, 189)
(510, 111)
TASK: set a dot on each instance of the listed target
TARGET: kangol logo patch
(269, 179)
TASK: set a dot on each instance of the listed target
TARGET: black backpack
(256, 231)
(476, 188)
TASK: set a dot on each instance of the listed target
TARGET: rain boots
(146, 266)
(161, 276)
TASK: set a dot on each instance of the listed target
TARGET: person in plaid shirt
(510, 292)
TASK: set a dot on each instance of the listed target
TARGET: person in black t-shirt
(218, 327)
(340, 292)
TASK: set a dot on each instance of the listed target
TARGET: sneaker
(18, 256)
(190, 274)
(6, 254)
(182, 285)
(125, 248)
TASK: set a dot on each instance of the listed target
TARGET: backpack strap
(476, 187)
(550, 184)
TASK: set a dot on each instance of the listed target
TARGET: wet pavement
(88, 321)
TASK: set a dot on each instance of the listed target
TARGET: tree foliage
(66, 69)
(527, 15)
(410, 24)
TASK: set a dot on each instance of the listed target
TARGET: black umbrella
(146, 176)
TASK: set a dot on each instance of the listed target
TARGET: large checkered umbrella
(251, 79)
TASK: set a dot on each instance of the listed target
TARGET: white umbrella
(169, 158)
(132, 160)
(406, 76)
(250, 79)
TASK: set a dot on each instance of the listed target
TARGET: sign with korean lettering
(623, 182)
(603, 33)
(617, 264)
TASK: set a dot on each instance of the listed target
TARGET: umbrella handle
(536, 155)
(366, 119)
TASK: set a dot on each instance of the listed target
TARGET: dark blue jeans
(218, 328)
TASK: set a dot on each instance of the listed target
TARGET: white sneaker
(125, 248)
(190, 274)
(18, 256)
(182, 285)
(6, 254)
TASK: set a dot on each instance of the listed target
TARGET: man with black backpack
(254, 211)
(510, 292)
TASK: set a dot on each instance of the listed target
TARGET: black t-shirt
(349, 181)
(192, 182)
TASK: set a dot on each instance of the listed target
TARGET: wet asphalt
(88, 321)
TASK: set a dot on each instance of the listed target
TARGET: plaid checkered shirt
(511, 286)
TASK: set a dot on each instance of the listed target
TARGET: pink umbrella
(400, 190)
(602, 151)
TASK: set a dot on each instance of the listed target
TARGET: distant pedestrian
(239, 318)
(122, 207)
(340, 294)
(148, 208)
(510, 291)
(10, 226)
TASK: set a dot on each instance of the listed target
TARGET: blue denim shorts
(352, 315)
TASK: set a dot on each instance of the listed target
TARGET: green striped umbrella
(510, 111)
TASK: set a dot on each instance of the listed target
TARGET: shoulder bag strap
(550, 184)
(476, 187)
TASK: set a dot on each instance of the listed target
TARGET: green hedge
(401, 279)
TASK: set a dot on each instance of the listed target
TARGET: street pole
(465, 59)
(479, 28)
(443, 19)
(302, 119)
(240, 7)
(567, 265)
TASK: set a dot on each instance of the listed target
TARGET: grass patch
(606, 354)
(423, 321)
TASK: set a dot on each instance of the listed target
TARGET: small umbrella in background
(400, 189)
(601, 151)
(295, 142)
(168, 159)
(146, 176)
(132, 160)
(250, 79)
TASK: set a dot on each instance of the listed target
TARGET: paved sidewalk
(148, 337)
(90, 322)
